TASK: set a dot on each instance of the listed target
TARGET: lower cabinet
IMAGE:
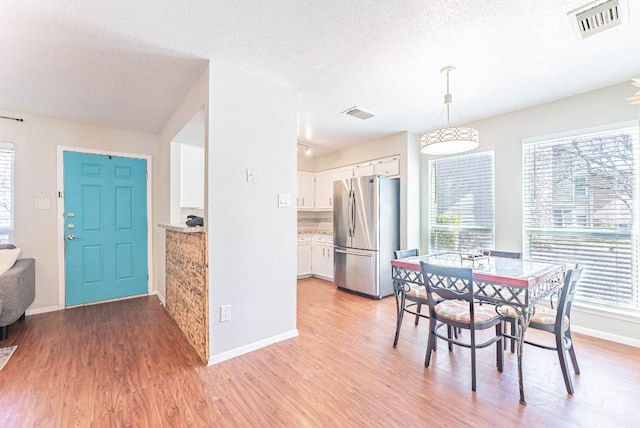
(315, 256)
(322, 261)
(304, 259)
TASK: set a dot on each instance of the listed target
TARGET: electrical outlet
(225, 313)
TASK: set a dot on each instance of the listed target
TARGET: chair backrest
(505, 254)
(450, 283)
(401, 254)
(567, 294)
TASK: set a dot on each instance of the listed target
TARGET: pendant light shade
(449, 140)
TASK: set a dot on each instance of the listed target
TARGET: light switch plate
(251, 175)
(284, 200)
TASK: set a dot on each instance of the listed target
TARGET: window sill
(608, 313)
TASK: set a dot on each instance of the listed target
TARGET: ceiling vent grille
(359, 113)
(597, 16)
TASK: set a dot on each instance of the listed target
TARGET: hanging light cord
(448, 97)
(17, 119)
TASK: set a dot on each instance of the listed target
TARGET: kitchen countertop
(314, 232)
(183, 228)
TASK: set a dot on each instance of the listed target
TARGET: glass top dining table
(518, 283)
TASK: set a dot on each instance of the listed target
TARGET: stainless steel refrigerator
(366, 232)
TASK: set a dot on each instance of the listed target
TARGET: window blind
(581, 206)
(6, 192)
(461, 215)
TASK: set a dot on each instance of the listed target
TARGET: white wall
(36, 141)
(166, 204)
(191, 176)
(252, 241)
(505, 133)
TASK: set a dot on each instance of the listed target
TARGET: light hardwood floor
(127, 364)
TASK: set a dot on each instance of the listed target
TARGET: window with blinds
(581, 206)
(6, 192)
(461, 214)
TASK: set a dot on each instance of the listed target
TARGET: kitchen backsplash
(315, 222)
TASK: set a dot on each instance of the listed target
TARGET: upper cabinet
(305, 190)
(366, 168)
(389, 167)
(324, 191)
(315, 191)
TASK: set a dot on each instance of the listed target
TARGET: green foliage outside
(447, 240)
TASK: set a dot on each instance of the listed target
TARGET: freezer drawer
(357, 270)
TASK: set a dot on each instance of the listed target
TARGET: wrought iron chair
(409, 299)
(505, 254)
(558, 322)
(507, 320)
(455, 307)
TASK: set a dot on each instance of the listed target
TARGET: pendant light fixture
(449, 140)
(635, 98)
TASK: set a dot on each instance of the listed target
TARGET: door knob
(71, 226)
(70, 215)
(71, 237)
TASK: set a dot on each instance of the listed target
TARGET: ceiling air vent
(359, 113)
(597, 16)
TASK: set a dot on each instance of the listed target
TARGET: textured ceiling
(128, 63)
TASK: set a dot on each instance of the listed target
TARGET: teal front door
(105, 216)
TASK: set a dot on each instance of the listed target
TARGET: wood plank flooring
(126, 363)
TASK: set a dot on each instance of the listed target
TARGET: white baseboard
(606, 336)
(218, 358)
(46, 309)
(37, 311)
(161, 297)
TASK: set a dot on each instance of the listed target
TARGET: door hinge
(60, 195)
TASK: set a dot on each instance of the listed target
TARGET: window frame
(431, 228)
(9, 147)
(591, 232)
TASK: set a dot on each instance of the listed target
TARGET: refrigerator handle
(353, 253)
(353, 213)
(349, 210)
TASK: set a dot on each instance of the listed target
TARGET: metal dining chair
(410, 298)
(504, 254)
(558, 322)
(451, 304)
(507, 320)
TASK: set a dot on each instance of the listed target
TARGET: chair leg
(3, 332)
(513, 333)
(431, 343)
(473, 362)
(399, 316)
(499, 348)
(419, 308)
(23, 316)
(572, 354)
(450, 333)
(564, 364)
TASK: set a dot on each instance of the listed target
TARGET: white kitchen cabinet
(342, 173)
(305, 190)
(324, 191)
(389, 167)
(322, 257)
(366, 168)
(304, 256)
